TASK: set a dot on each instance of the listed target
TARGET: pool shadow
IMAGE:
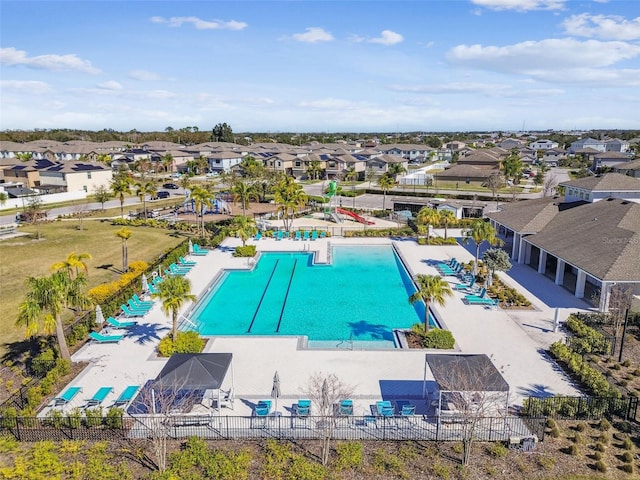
(375, 331)
(147, 332)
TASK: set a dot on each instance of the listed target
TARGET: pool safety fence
(280, 427)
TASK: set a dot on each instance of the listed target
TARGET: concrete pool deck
(513, 339)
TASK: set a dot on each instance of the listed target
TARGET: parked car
(163, 194)
(212, 174)
(170, 186)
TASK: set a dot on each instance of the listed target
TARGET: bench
(189, 421)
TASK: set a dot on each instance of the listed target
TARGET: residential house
(582, 144)
(224, 161)
(601, 187)
(617, 145)
(543, 144)
(609, 159)
(632, 169)
(76, 176)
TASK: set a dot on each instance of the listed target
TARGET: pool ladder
(350, 347)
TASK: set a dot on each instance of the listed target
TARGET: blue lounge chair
(68, 395)
(491, 302)
(287, 234)
(384, 408)
(126, 396)
(176, 273)
(279, 235)
(186, 263)
(174, 267)
(306, 235)
(152, 288)
(298, 235)
(128, 312)
(314, 235)
(141, 308)
(323, 234)
(98, 337)
(138, 301)
(98, 397)
(115, 323)
(345, 407)
(198, 251)
(465, 286)
(261, 412)
(479, 296)
(258, 235)
(303, 408)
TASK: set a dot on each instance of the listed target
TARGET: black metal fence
(585, 408)
(415, 427)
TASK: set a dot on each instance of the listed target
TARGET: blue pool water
(362, 296)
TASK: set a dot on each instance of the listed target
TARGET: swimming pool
(361, 297)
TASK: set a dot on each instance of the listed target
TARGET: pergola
(466, 383)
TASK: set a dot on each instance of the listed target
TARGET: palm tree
(244, 227)
(173, 292)
(428, 216)
(479, 232)
(124, 234)
(121, 185)
(44, 302)
(386, 183)
(167, 162)
(290, 198)
(395, 169)
(202, 199)
(513, 165)
(144, 189)
(448, 218)
(74, 262)
(431, 288)
(245, 193)
(314, 169)
(3, 198)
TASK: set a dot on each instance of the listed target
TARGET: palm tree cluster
(428, 217)
(290, 198)
(479, 232)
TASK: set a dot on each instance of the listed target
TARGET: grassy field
(25, 256)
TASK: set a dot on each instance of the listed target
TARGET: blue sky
(322, 66)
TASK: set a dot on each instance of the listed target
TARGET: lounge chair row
(198, 251)
(98, 398)
(298, 235)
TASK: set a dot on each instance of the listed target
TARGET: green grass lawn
(25, 256)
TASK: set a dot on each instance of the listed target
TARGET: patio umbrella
(275, 389)
(190, 247)
(99, 315)
(145, 284)
(324, 393)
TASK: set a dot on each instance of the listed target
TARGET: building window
(298, 163)
(89, 175)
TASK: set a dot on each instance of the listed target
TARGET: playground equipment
(218, 206)
(354, 215)
(330, 208)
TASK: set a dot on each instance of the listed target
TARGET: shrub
(439, 338)
(581, 427)
(555, 432)
(626, 363)
(577, 439)
(627, 468)
(186, 342)
(604, 425)
(627, 444)
(597, 456)
(546, 462)
(498, 450)
(600, 447)
(246, 251)
(600, 466)
(350, 455)
(43, 362)
(573, 450)
(113, 419)
(93, 416)
(604, 439)
(551, 423)
(627, 457)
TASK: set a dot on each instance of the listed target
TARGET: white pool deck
(513, 339)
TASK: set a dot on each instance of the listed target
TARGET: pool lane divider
(264, 292)
(286, 295)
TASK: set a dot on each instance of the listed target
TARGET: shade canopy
(194, 371)
(466, 373)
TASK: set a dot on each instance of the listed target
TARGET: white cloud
(387, 37)
(551, 59)
(313, 35)
(200, 24)
(110, 85)
(31, 87)
(611, 27)
(143, 75)
(332, 104)
(521, 5)
(56, 63)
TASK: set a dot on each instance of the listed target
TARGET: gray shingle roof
(607, 182)
(529, 216)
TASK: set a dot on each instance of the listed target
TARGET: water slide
(355, 216)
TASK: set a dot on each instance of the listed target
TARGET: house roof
(607, 182)
(601, 238)
(465, 171)
(465, 373)
(529, 216)
(633, 165)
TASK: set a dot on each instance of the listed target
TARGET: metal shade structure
(195, 371)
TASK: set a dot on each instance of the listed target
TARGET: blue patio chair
(126, 396)
(258, 235)
(98, 397)
(306, 235)
(100, 338)
(479, 296)
(152, 288)
(323, 234)
(138, 308)
(491, 302)
(314, 235)
(186, 263)
(68, 395)
(199, 251)
(279, 235)
(384, 408)
(138, 301)
(345, 407)
(298, 235)
(128, 312)
(261, 412)
(115, 323)
(174, 267)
